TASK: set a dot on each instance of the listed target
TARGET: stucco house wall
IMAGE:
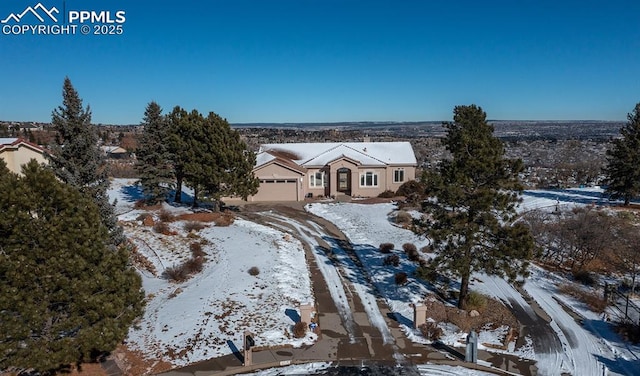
(16, 152)
(291, 172)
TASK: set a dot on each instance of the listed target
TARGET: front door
(344, 181)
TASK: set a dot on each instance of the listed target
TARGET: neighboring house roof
(321, 153)
(113, 149)
(15, 143)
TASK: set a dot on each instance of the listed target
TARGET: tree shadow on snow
(293, 315)
(568, 196)
(620, 366)
(132, 192)
(187, 199)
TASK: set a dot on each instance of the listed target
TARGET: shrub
(254, 271)
(224, 219)
(193, 226)
(411, 251)
(162, 228)
(175, 274)
(139, 204)
(393, 260)
(387, 194)
(412, 187)
(143, 216)
(629, 332)
(585, 277)
(300, 329)
(408, 247)
(386, 247)
(403, 218)
(401, 278)
(165, 216)
(426, 249)
(196, 250)
(475, 300)
(431, 331)
(193, 265)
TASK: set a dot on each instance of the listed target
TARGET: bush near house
(386, 247)
(403, 218)
(387, 194)
(431, 331)
(300, 329)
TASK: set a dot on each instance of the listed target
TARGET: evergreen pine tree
(472, 205)
(210, 156)
(153, 157)
(64, 297)
(180, 132)
(77, 159)
(623, 161)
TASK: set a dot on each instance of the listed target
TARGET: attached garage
(280, 180)
(277, 190)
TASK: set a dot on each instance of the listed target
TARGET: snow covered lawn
(206, 315)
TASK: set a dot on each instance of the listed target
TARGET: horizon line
(354, 121)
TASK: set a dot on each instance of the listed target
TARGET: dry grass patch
(403, 218)
(498, 315)
(221, 219)
(163, 228)
(193, 226)
(166, 216)
(593, 300)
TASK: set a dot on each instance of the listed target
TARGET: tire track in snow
(368, 300)
(325, 265)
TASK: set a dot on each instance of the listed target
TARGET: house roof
(321, 153)
(13, 143)
(265, 158)
(113, 149)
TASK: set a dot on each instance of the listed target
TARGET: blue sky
(330, 61)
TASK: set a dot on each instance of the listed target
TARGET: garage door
(277, 190)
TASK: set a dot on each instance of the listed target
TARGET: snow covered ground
(588, 349)
(205, 316)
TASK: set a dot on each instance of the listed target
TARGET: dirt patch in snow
(221, 219)
(492, 316)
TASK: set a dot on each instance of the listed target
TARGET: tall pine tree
(153, 157)
(210, 156)
(472, 202)
(64, 296)
(77, 159)
(180, 132)
(623, 161)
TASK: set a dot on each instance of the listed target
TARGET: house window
(316, 180)
(369, 179)
(398, 175)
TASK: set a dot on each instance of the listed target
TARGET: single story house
(293, 171)
(16, 152)
(115, 152)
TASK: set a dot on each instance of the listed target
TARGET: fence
(624, 310)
